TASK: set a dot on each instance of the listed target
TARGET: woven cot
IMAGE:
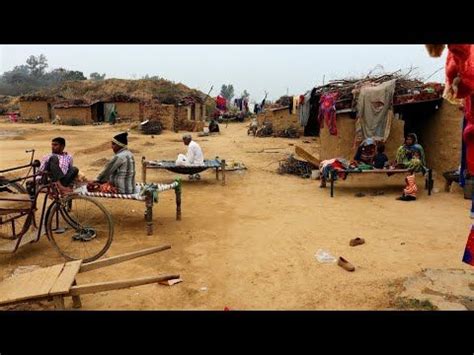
(170, 165)
(146, 197)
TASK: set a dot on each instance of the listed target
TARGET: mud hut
(128, 108)
(77, 111)
(33, 106)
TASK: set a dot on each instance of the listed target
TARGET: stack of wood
(151, 127)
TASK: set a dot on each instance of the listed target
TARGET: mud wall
(442, 138)
(281, 120)
(33, 109)
(342, 145)
(128, 110)
(82, 113)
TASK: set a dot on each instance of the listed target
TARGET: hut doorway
(417, 117)
(312, 128)
(100, 112)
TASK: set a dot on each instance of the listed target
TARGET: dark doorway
(312, 127)
(100, 112)
(416, 116)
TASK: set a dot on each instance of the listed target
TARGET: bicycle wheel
(20, 225)
(87, 228)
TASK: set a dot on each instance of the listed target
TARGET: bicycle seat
(22, 202)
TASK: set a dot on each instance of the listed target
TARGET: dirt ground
(251, 244)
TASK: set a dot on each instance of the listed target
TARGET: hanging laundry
(327, 112)
(374, 111)
(305, 106)
(296, 100)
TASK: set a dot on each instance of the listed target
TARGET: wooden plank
(307, 156)
(29, 285)
(115, 285)
(380, 171)
(66, 278)
(121, 258)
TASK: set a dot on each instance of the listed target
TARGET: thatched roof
(39, 97)
(74, 103)
(120, 97)
(162, 90)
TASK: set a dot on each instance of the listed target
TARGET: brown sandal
(345, 264)
(356, 241)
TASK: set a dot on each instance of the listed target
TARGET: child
(410, 190)
(380, 158)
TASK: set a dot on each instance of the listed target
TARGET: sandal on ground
(356, 241)
(345, 264)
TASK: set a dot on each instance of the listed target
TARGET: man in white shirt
(194, 156)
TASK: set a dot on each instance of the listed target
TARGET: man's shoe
(345, 264)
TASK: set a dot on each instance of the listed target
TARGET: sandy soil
(252, 243)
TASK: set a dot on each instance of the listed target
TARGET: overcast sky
(277, 69)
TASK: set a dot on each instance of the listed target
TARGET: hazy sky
(256, 68)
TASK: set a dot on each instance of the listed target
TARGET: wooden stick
(121, 258)
(115, 285)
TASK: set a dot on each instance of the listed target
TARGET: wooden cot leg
(149, 214)
(223, 171)
(59, 302)
(178, 203)
(430, 181)
(76, 300)
(217, 173)
(143, 170)
(331, 178)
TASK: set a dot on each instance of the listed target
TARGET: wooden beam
(121, 258)
(115, 285)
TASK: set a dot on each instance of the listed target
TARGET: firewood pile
(290, 132)
(408, 89)
(151, 127)
(294, 166)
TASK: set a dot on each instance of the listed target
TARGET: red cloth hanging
(327, 112)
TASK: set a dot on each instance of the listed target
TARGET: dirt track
(252, 243)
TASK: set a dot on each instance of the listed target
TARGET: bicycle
(83, 228)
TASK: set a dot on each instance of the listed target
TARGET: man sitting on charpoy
(118, 176)
(59, 166)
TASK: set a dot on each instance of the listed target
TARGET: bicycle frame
(47, 188)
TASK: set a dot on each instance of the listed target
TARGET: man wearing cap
(120, 170)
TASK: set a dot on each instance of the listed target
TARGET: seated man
(194, 156)
(213, 126)
(119, 173)
(411, 154)
(59, 164)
